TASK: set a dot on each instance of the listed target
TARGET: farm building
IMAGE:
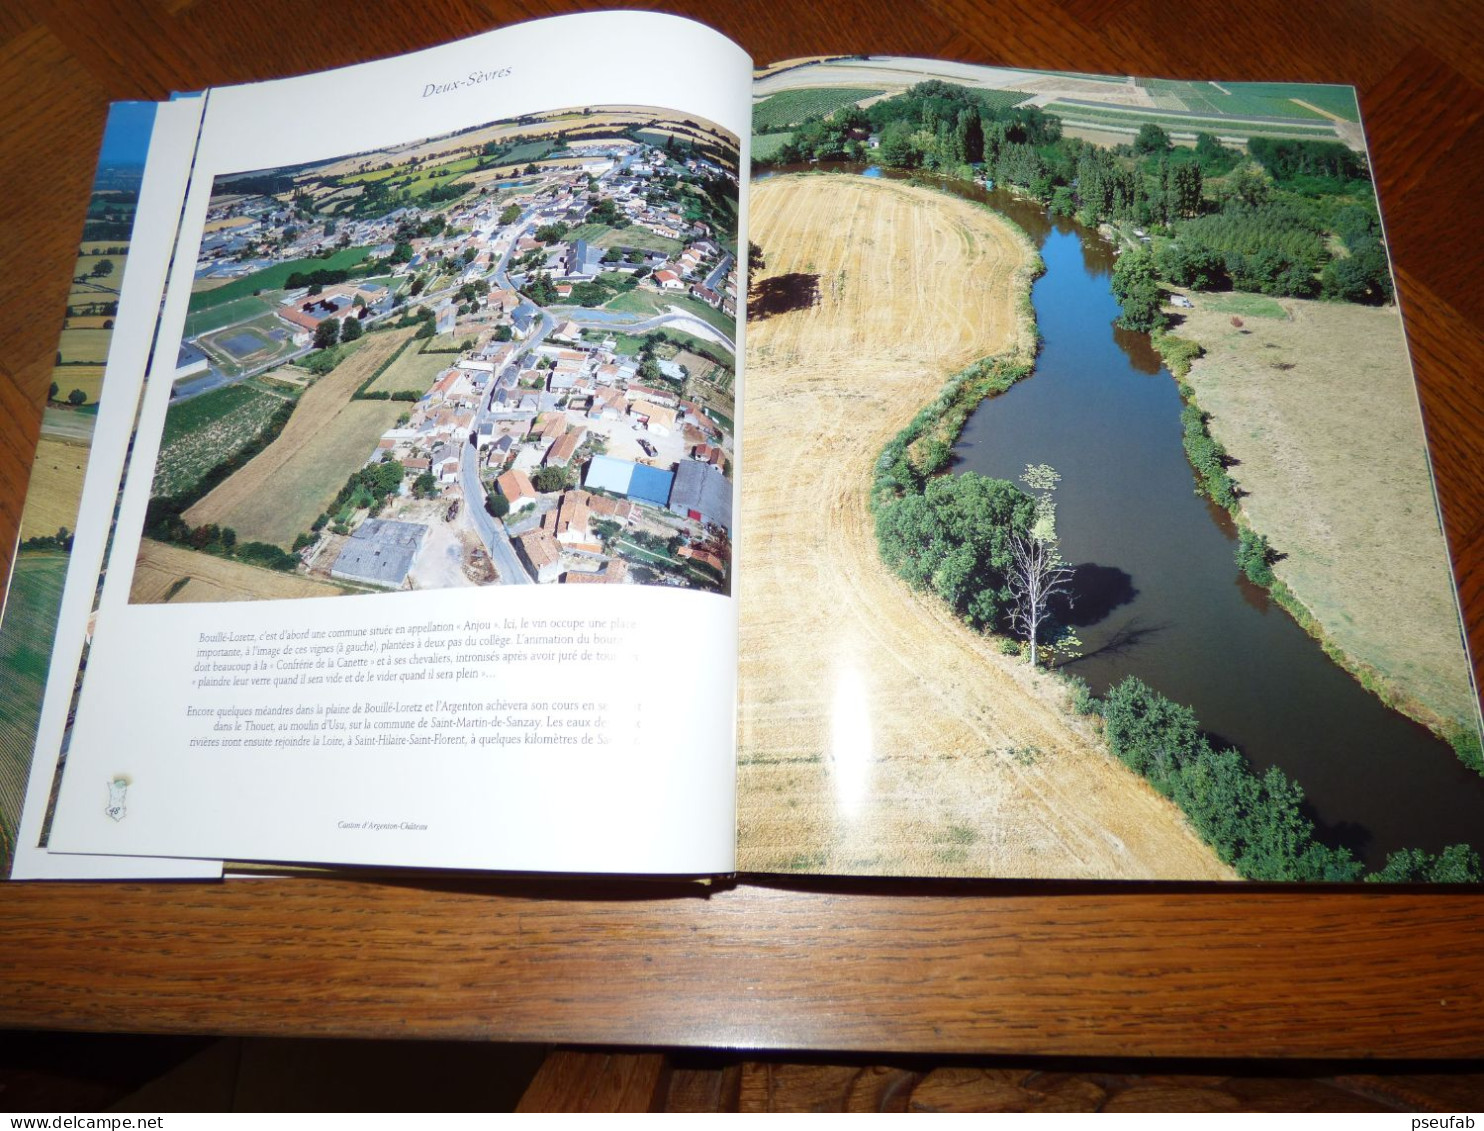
(631, 480)
(702, 494)
(380, 552)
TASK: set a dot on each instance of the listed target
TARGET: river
(1159, 595)
(1158, 592)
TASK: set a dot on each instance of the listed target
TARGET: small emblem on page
(118, 788)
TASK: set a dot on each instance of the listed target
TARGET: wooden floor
(1014, 970)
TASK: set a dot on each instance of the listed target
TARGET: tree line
(1257, 823)
(1257, 222)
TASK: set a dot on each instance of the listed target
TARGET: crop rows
(203, 431)
(790, 107)
(1132, 119)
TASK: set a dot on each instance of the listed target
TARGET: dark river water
(1159, 595)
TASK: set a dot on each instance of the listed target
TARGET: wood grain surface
(1049, 969)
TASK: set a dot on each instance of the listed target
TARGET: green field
(765, 146)
(790, 107)
(226, 313)
(1337, 100)
(202, 431)
(1133, 118)
(412, 371)
(272, 278)
(1209, 98)
(601, 235)
(25, 651)
(1249, 305)
(648, 302)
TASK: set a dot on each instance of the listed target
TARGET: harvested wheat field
(169, 573)
(285, 486)
(879, 735)
(55, 488)
(1319, 407)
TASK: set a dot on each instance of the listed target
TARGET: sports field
(287, 485)
(878, 734)
(246, 347)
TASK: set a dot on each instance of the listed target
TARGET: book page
(56, 610)
(424, 553)
(1085, 446)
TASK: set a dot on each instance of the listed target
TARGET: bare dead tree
(1036, 575)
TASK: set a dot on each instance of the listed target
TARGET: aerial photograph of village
(499, 357)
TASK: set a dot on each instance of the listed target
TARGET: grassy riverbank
(1315, 403)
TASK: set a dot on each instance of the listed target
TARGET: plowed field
(878, 734)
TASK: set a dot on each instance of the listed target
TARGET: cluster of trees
(75, 397)
(604, 211)
(332, 331)
(165, 524)
(61, 540)
(383, 395)
(551, 478)
(602, 288)
(1207, 456)
(540, 289)
(1268, 229)
(319, 278)
(370, 488)
(441, 194)
(1255, 557)
(955, 539)
(1255, 823)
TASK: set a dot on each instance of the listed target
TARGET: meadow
(56, 485)
(87, 378)
(412, 371)
(1320, 411)
(84, 345)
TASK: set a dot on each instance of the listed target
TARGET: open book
(1065, 512)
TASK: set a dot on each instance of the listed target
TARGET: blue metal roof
(636, 481)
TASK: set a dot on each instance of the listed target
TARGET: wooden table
(940, 968)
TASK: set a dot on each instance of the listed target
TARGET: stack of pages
(1065, 513)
